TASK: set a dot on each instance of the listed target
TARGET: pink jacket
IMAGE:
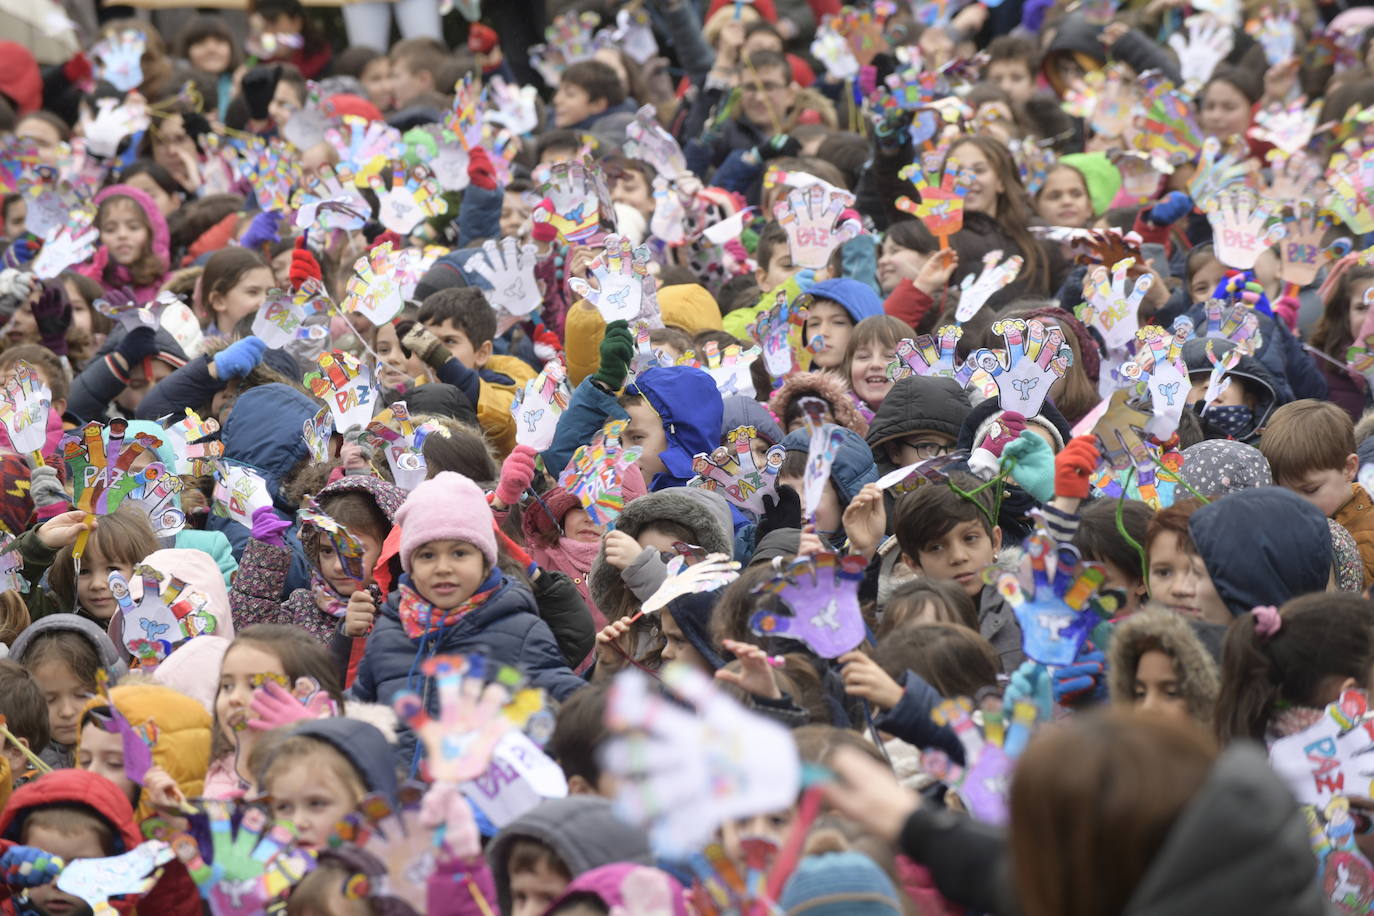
(113, 275)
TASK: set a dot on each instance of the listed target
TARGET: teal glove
(1034, 468)
(617, 350)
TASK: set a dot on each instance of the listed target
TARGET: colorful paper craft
(402, 441)
(992, 741)
(538, 406)
(1330, 757)
(377, 288)
(251, 861)
(594, 474)
(814, 223)
(778, 332)
(25, 403)
(238, 492)
(166, 615)
(346, 386)
(822, 592)
(1059, 614)
(733, 470)
(132, 874)
(346, 547)
(624, 290)
(1035, 358)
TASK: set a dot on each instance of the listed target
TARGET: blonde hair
(273, 756)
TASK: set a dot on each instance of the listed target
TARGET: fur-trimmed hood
(826, 386)
(1198, 679)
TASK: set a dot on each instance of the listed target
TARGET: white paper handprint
(1238, 220)
(809, 217)
(978, 288)
(622, 279)
(646, 140)
(1109, 307)
(1206, 45)
(67, 246)
(509, 267)
(1036, 357)
(414, 196)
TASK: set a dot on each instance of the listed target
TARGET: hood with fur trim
(824, 385)
(1166, 631)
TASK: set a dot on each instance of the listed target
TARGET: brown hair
(1014, 212)
(354, 510)
(1305, 436)
(1099, 797)
(14, 617)
(526, 854)
(1079, 394)
(69, 648)
(45, 361)
(70, 819)
(931, 512)
(421, 55)
(952, 604)
(223, 272)
(123, 537)
(817, 743)
(772, 240)
(875, 330)
(730, 616)
(22, 704)
(269, 757)
(579, 732)
(956, 661)
(149, 268)
(1173, 520)
(455, 446)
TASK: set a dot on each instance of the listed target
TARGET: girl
(118, 541)
(89, 328)
(234, 286)
(207, 44)
(63, 652)
(47, 132)
(872, 347)
(1226, 103)
(1340, 324)
(1063, 200)
(458, 447)
(170, 145)
(927, 601)
(907, 246)
(453, 598)
(155, 181)
(398, 369)
(16, 214)
(372, 69)
(133, 243)
(914, 275)
(1157, 663)
(1178, 577)
(280, 31)
(844, 411)
(1202, 273)
(264, 651)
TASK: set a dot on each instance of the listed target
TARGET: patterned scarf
(419, 617)
(326, 599)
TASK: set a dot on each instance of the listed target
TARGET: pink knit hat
(448, 506)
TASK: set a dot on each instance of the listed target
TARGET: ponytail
(1263, 668)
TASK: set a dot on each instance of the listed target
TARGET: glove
(517, 473)
(480, 170)
(425, 345)
(77, 70)
(239, 358)
(1286, 309)
(1171, 209)
(891, 131)
(196, 126)
(22, 250)
(303, 265)
(259, 85)
(1034, 469)
(782, 511)
(26, 866)
(137, 345)
(357, 453)
(268, 526)
(481, 38)
(1082, 682)
(1029, 683)
(15, 288)
(1073, 465)
(53, 315)
(274, 706)
(617, 349)
(45, 489)
(263, 231)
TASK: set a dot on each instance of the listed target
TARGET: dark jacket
(193, 386)
(99, 383)
(1290, 368)
(982, 234)
(914, 405)
(1250, 371)
(562, 608)
(505, 628)
(910, 719)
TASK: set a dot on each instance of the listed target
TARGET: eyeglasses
(925, 450)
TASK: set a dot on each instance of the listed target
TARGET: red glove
(78, 70)
(517, 473)
(481, 38)
(397, 243)
(480, 170)
(303, 265)
(1073, 465)
(1008, 429)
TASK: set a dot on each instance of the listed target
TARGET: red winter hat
(19, 77)
(481, 38)
(337, 106)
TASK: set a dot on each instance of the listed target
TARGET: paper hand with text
(1344, 874)
(25, 403)
(733, 472)
(814, 223)
(508, 268)
(1110, 307)
(346, 547)
(1287, 128)
(11, 566)
(1303, 251)
(100, 473)
(412, 197)
(98, 881)
(822, 593)
(1238, 219)
(574, 201)
(941, 206)
(282, 318)
(239, 491)
(316, 433)
(992, 742)
(538, 406)
(273, 175)
(1036, 356)
(687, 764)
(778, 332)
(1059, 613)
(1332, 757)
(647, 141)
(624, 289)
(165, 615)
(596, 471)
(978, 288)
(824, 445)
(189, 438)
(239, 858)
(1216, 172)
(331, 200)
(402, 441)
(62, 247)
(345, 385)
(375, 290)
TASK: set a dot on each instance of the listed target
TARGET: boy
(919, 419)
(944, 535)
(575, 744)
(415, 66)
(1012, 65)
(1310, 446)
(775, 268)
(453, 334)
(836, 307)
(1098, 539)
(26, 713)
(535, 856)
(587, 91)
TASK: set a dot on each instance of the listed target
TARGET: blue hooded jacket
(263, 432)
(505, 628)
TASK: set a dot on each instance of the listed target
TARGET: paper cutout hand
(331, 201)
(730, 368)
(669, 221)
(623, 286)
(975, 291)
(941, 207)
(1215, 172)
(445, 811)
(1238, 220)
(375, 289)
(1056, 617)
(822, 592)
(573, 200)
(1277, 34)
(538, 406)
(1109, 307)
(512, 106)
(778, 333)
(831, 49)
(1206, 45)
(1293, 176)
(809, 217)
(990, 750)
(646, 140)
(414, 197)
(732, 472)
(714, 571)
(1171, 132)
(595, 472)
(1102, 97)
(1288, 129)
(112, 122)
(1035, 358)
(273, 176)
(132, 874)
(458, 745)
(1352, 182)
(508, 267)
(121, 59)
(1302, 253)
(66, 246)
(683, 770)
(24, 406)
(364, 146)
(927, 355)
(251, 863)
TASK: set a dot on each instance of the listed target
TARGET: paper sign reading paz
(1331, 757)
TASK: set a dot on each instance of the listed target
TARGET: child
(1243, 408)
(317, 771)
(209, 47)
(1012, 66)
(575, 745)
(1100, 538)
(775, 268)
(133, 243)
(63, 652)
(1310, 446)
(367, 507)
(372, 69)
(453, 335)
(588, 90)
(617, 887)
(535, 856)
(927, 601)
(118, 542)
(852, 469)
(836, 306)
(1157, 662)
(944, 535)
(264, 651)
(285, 20)
(1178, 578)
(453, 599)
(233, 286)
(415, 66)
(872, 347)
(1342, 318)
(919, 419)
(398, 369)
(1063, 200)
(785, 402)
(26, 715)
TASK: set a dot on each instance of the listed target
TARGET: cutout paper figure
(713, 571)
(595, 472)
(1206, 44)
(822, 592)
(401, 440)
(119, 58)
(1035, 358)
(132, 874)
(345, 385)
(1347, 878)
(67, 245)
(414, 196)
(733, 471)
(376, 289)
(1059, 614)
(647, 141)
(458, 744)
(778, 332)
(1108, 306)
(317, 432)
(812, 220)
(398, 837)
(978, 288)
(941, 207)
(574, 201)
(508, 267)
(1238, 220)
(1331, 756)
(1287, 128)
(25, 402)
(167, 614)
(347, 548)
(991, 743)
(624, 290)
(331, 201)
(251, 861)
(538, 406)
(239, 491)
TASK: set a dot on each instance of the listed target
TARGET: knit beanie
(840, 884)
(448, 506)
(1102, 178)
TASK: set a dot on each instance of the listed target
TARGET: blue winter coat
(506, 629)
(1293, 373)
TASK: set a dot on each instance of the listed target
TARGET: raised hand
(1206, 45)
(931, 355)
(1215, 172)
(331, 201)
(1036, 357)
(508, 266)
(977, 289)
(822, 591)
(1288, 129)
(537, 407)
(732, 471)
(1238, 220)
(941, 207)
(1057, 616)
(778, 332)
(119, 59)
(66, 246)
(646, 140)
(458, 744)
(811, 219)
(249, 866)
(623, 285)
(413, 198)
(1109, 307)
(1302, 252)
(374, 290)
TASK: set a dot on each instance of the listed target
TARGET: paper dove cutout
(401, 440)
(623, 286)
(538, 406)
(168, 614)
(822, 591)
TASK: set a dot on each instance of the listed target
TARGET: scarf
(326, 599)
(419, 617)
(574, 559)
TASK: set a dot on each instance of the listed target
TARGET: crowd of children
(735, 456)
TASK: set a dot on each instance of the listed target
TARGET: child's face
(244, 298)
(868, 372)
(1225, 111)
(377, 83)
(919, 446)
(961, 554)
(82, 844)
(1205, 280)
(533, 891)
(456, 340)
(833, 324)
(578, 526)
(1063, 201)
(771, 827)
(396, 371)
(1232, 395)
(66, 696)
(828, 513)
(986, 186)
(1179, 578)
(447, 573)
(332, 569)
(573, 104)
(93, 583)
(43, 136)
(124, 230)
(103, 752)
(166, 203)
(1359, 307)
(896, 264)
(22, 328)
(140, 380)
(173, 148)
(1125, 583)
(1327, 489)
(16, 215)
(645, 430)
(1156, 686)
(286, 101)
(241, 663)
(679, 649)
(1013, 77)
(407, 85)
(514, 214)
(780, 269)
(633, 190)
(308, 793)
(210, 55)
